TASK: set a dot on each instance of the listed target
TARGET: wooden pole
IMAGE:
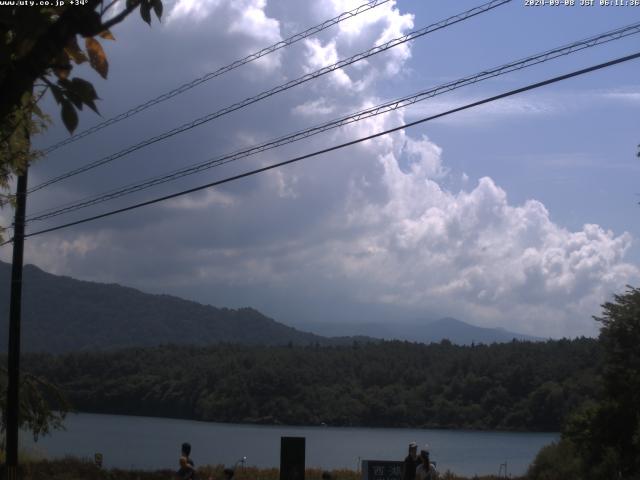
(13, 393)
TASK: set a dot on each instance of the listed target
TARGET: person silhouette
(411, 462)
(426, 470)
(187, 469)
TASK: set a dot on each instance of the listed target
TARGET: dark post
(13, 394)
(292, 461)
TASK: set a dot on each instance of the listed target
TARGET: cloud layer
(375, 226)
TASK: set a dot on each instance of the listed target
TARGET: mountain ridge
(63, 314)
(425, 331)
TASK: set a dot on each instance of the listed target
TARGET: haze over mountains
(425, 331)
(62, 314)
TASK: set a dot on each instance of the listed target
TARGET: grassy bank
(76, 469)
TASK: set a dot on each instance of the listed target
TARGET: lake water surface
(153, 443)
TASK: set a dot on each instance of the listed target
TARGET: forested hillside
(62, 314)
(514, 386)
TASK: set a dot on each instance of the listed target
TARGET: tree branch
(104, 9)
(120, 17)
(26, 70)
(42, 93)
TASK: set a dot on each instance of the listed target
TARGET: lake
(154, 443)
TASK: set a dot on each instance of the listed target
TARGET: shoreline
(321, 426)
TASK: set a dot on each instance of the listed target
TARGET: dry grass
(74, 469)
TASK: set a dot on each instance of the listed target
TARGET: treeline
(512, 386)
(601, 439)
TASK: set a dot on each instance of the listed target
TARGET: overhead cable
(273, 91)
(354, 117)
(216, 73)
(337, 147)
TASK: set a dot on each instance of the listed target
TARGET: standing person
(187, 467)
(411, 462)
(185, 451)
(426, 470)
(186, 471)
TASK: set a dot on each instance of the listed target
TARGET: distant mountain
(463, 333)
(62, 314)
(427, 331)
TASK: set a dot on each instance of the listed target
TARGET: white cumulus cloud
(376, 224)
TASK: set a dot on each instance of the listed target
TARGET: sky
(519, 214)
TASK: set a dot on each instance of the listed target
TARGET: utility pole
(13, 393)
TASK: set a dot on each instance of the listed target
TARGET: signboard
(292, 453)
(381, 470)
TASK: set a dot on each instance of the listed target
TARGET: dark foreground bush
(558, 461)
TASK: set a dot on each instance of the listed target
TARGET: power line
(280, 88)
(340, 146)
(222, 70)
(363, 114)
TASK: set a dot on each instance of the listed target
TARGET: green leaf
(25, 99)
(70, 94)
(75, 99)
(58, 95)
(85, 91)
(145, 12)
(69, 116)
(157, 7)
